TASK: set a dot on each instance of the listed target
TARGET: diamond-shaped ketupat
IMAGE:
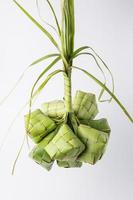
(54, 109)
(38, 125)
(85, 106)
(39, 155)
(95, 142)
(100, 124)
(65, 145)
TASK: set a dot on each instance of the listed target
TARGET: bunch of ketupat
(58, 138)
(63, 130)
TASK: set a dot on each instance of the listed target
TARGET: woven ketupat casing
(54, 109)
(85, 106)
(65, 145)
(38, 125)
(100, 124)
(39, 155)
(95, 142)
(69, 164)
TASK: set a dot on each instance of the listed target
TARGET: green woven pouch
(54, 109)
(85, 106)
(95, 142)
(99, 124)
(38, 125)
(65, 145)
(39, 155)
(69, 164)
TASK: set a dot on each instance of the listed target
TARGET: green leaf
(13, 88)
(104, 64)
(55, 17)
(23, 74)
(68, 28)
(18, 155)
(38, 25)
(108, 91)
(44, 58)
(41, 75)
(7, 133)
(104, 76)
(36, 93)
(79, 50)
(40, 88)
(39, 12)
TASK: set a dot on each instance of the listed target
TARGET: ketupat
(38, 125)
(76, 119)
(99, 124)
(39, 155)
(85, 106)
(54, 109)
(65, 145)
(95, 142)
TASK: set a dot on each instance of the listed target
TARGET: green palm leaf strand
(38, 25)
(108, 91)
(95, 56)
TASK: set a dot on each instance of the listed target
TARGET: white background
(108, 27)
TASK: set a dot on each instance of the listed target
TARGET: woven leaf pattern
(69, 164)
(38, 125)
(65, 145)
(95, 142)
(70, 148)
(54, 109)
(40, 155)
(85, 106)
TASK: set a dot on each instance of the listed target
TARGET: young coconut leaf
(40, 88)
(40, 76)
(23, 74)
(42, 29)
(55, 17)
(38, 25)
(39, 12)
(95, 56)
(44, 58)
(20, 150)
(13, 88)
(77, 51)
(107, 90)
(68, 28)
(104, 76)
